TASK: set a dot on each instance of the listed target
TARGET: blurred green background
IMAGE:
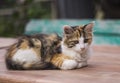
(16, 15)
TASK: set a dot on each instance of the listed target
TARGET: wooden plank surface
(104, 67)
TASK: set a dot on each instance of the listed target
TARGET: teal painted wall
(106, 32)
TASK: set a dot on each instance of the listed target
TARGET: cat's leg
(82, 64)
(69, 64)
(35, 65)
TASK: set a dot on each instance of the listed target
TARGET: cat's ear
(67, 29)
(89, 27)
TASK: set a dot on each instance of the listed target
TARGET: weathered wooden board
(104, 67)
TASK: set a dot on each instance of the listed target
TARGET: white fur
(25, 56)
(69, 64)
(81, 45)
(77, 54)
(82, 64)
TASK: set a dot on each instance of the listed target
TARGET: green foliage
(39, 10)
(13, 25)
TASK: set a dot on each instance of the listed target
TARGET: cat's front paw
(69, 64)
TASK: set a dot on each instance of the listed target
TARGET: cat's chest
(72, 54)
(75, 55)
(69, 53)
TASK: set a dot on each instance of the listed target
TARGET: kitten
(43, 51)
(76, 43)
(75, 47)
(32, 52)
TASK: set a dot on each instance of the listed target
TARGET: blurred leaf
(13, 25)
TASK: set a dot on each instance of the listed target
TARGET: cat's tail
(36, 66)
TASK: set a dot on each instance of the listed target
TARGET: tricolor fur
(40, 51)
(75, 47)
(32, 52)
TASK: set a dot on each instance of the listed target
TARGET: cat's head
(78, 38)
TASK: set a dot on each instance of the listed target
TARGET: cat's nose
(82, 49)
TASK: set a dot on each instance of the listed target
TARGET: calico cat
(75, 47)
(43, 51)
(32, 52)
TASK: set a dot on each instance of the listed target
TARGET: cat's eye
(86, 40)
(76, 42)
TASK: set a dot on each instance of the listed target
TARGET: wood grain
(104, 67)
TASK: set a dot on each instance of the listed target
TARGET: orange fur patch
(58, 59)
